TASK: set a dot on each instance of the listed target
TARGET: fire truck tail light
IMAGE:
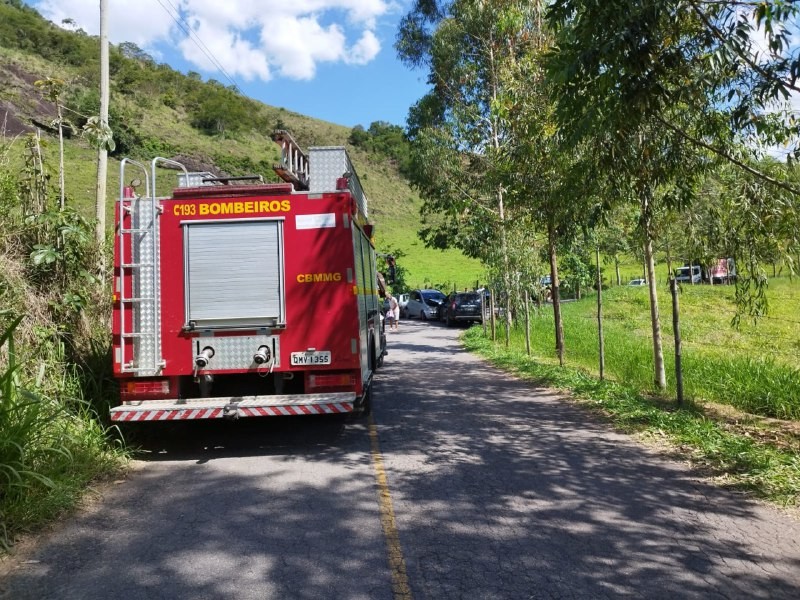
(139, 388)
(333, 380)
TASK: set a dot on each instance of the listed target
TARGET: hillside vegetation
(157, 111)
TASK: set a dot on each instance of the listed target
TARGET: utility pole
(102, 152)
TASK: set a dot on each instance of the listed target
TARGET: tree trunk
(601, 344)
(616, 269)
(500, 204)
(551, 247)
(658, 349)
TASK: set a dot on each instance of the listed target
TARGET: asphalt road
(472, 485)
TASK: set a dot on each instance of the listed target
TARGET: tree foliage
(386, 140)
(677, 88)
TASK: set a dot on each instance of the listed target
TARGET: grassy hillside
(394, 206)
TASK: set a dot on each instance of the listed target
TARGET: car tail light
(137, 389)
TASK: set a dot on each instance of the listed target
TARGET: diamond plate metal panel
(146, 320)
(236, 351)
(329, 163)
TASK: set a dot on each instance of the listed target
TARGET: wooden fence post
(676, 330)
(491, 315)
(602, 348)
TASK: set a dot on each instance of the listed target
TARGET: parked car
(461, 307)
(636, 282)
(424, 304)
(689, 274)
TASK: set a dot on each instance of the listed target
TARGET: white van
(687, 274)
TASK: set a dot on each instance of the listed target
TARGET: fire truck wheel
(365, 405)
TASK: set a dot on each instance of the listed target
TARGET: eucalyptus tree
(646, 79)
(546, 179)
(731, 66)
(458, 130)
(760, 222)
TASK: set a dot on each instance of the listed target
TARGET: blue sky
(329, 59)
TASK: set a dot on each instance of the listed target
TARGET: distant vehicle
(461, 307)
(402, 301)
(689, 274)
(546, 292)
(424, 304)
(724, 271)
(637, 282)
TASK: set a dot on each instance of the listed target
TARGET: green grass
(754, 368)
(51, 448)
(736, 457)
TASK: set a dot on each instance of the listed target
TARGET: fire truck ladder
(293, 167)
(138, 287)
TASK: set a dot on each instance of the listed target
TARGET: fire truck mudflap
(245, 300)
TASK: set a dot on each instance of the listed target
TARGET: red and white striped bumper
(234, 407)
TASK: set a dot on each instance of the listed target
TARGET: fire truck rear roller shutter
(234, 273)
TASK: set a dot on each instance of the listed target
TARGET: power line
(187, 29)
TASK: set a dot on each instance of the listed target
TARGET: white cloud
(251, 39)
(129, 21)
(236, 55)
(364, 50)
(297, 45)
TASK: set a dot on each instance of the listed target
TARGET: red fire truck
(237, 298)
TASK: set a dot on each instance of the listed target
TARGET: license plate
(320, 357)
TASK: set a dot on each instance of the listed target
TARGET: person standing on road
(394, 310)
(389, 311)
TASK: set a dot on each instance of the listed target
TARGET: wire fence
(755, 367)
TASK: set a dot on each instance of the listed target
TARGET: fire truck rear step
(235, 407)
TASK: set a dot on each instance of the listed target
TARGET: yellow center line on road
(397, 564)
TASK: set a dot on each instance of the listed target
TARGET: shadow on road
(500, 485)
